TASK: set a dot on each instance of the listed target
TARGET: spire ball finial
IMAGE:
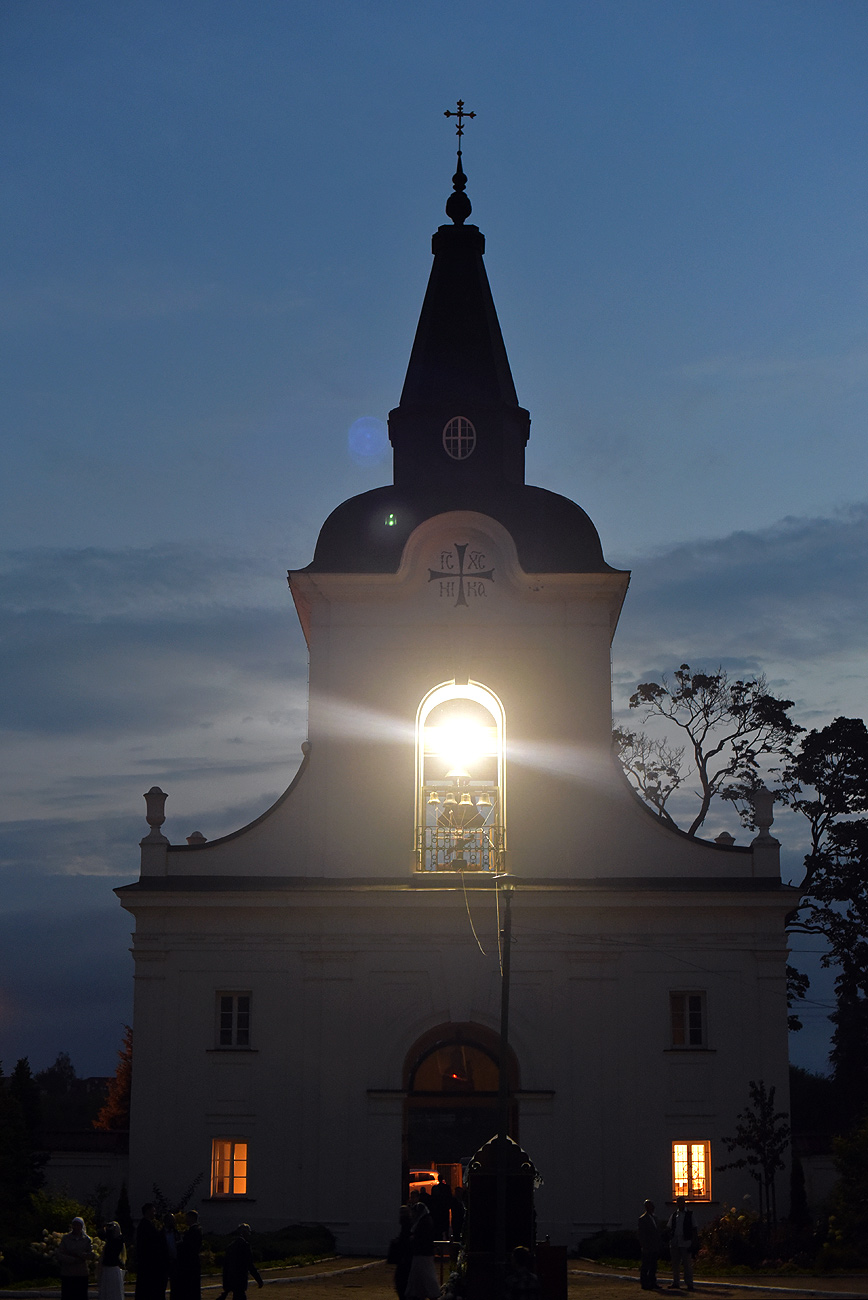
(458, 205)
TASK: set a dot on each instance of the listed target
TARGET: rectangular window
(233, 1019)
(228, 1167)
(687, 1019)
(691, 1170)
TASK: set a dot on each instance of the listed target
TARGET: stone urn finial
(763, 801)
(155, 801)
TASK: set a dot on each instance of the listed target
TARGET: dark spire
(459, 433)
(458, 366)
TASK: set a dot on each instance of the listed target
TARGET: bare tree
(652, 765)
(728, 726)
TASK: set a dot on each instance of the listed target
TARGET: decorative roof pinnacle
(458, 205)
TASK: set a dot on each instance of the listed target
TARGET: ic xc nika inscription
(462, 574)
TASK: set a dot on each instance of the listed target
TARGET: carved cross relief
(462, 574)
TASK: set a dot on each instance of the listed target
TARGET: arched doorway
(451, 1082)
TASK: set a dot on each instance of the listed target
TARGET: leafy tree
(763, 1135)
(848, 1237)
(849, 1055)
(827, 781)
(115, 1113)
(728, 726)
(69, 1104)
(23, 1086)
(798, 984)
(60, 1078)
(813, 1102)
(20, 1165)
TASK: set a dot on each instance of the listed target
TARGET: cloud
(138, 583)
(89, 856)
(135, 295)
(792, 594)
(114, 642)
(848, 367)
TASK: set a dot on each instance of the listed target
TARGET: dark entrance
(451, 1079)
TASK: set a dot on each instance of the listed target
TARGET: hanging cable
(499, 935)
(470, 918)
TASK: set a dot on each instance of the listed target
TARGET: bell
(449, 801)
(466, 815)
(434, 797)
(483, 800)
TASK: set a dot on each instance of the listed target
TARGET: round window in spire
(459, 438)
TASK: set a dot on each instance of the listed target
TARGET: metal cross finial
(460, 114)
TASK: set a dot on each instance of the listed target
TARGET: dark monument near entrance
(520, 1177)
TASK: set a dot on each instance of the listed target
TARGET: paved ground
(586, 1282)
(369, 1280)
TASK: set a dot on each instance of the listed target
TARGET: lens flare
(368, 441)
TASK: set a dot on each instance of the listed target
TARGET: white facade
(356, 960)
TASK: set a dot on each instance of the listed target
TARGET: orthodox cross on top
(460, 114)
(458, 205)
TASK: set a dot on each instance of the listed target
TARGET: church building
(318, 994)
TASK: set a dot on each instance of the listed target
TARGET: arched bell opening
(460, 780)
(450, 1109)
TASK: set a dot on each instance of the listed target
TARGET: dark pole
(503, 1083)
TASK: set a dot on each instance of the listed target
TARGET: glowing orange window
(691, 1170)
(228, 1167)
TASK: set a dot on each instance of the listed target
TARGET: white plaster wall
(343, 983)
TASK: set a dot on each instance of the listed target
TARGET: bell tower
(459, 604)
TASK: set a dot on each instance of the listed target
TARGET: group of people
(681, 1235)
(166, 1258)
(75, 1253)
(447, 1208)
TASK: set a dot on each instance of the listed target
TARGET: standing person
(422, 1283)
(681, 1231)
(441, 1204)
(188, 1265)
(459, 1212)
(152, 1267)
(111, 1265)
(649, 1244)
(73, 1254)
(400, 1251)
(521, 1282)
(238, 1263)
(170, 1236)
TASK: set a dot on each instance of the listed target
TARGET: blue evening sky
(216, 224)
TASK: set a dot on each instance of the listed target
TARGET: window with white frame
(691, 1170)
(687, 1019)
(233, 1019)
(228, 1167)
